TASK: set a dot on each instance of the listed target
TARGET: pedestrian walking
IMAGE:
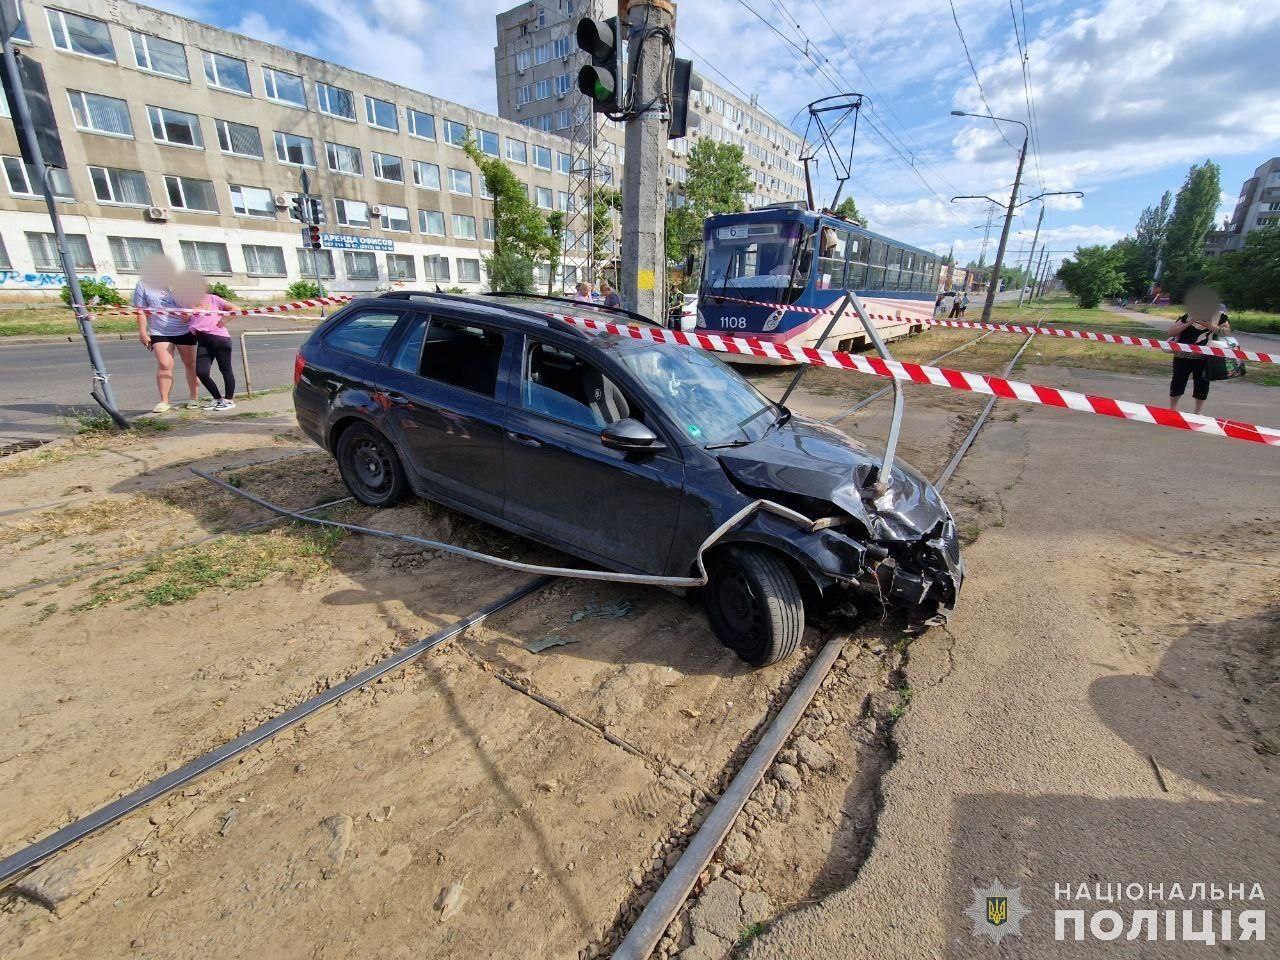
(610, 295)
(213, 339)
(955, 306)
(582, 292)
(164, 334)
(1205, 320)
(964, 304)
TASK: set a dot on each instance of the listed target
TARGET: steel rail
(23, 860)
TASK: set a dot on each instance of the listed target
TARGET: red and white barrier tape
(905, 317)
(940, 377)
(1148, 343)
(246, 312)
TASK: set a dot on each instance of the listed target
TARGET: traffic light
(604, 80)
(313, 237)
(299, 209)
(681, 82)
(316, 211)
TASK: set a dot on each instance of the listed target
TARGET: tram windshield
(768, 262)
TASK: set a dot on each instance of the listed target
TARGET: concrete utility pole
(1028, 275)
(1035, 281)
(651, 38)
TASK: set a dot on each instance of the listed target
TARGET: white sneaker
(162, 407)
(224, 405)
(211, 405)
(192, 404)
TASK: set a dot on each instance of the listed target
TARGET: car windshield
(709, 401)
(768, 262)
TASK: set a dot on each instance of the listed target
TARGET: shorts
(1195, 368)
(181, 339)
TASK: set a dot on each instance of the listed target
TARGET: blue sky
(1127, 93)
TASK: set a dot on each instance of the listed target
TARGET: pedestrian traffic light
(604, 80)
(313, 237)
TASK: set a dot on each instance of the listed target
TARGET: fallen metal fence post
(244, 350)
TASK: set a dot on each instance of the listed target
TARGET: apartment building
(536, 63)
(1258, 205)
(185, 139)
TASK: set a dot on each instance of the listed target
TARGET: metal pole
(1004, 235)
(307, 221)
(651, 35)
(1031, 258)
(101, 391)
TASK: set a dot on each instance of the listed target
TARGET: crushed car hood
(808, 458)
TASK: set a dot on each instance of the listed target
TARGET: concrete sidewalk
(1259, 342)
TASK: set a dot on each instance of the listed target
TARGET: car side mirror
(630, 436)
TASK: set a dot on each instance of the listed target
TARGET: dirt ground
(443, 811)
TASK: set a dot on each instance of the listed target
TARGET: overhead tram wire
(817, 69)
(974, 70)
(1024, 55)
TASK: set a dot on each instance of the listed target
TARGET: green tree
(519, 230)
(1192, 217)
(553, 247)
(1130, 258)
(1150, 234)
(717, 180)
(1249, 279)
(848, 209)
(607, 201)
(1092, 275)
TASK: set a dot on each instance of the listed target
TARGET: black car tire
(370, 467)
(754, 605)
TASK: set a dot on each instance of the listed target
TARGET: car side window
(461, 355)
(408, 355)
(562, 385)
(363, 334)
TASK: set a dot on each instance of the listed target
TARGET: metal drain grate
(9, 449)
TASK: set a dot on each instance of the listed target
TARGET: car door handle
(524, 439)
(396, 398)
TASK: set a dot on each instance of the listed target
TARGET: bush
(302, 290)
(509, 272)
(220, 289)
(103, 293)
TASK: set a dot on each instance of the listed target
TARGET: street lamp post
(1008, 215)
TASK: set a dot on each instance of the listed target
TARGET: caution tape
(245, 312)
(899, 317)
(1148, 343)
(940, 377)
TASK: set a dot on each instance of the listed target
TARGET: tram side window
(875, 274)
(906, 281)
(892, 266)
(831, 258)
(857, 275)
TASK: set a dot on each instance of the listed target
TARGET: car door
(440, 391)
(562, 483)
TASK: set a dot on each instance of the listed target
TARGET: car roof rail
(574, 303)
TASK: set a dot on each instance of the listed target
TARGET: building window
(264, 261)
(400, 267)
(335, 101)
(95, 113)
(524, 60)
(524, 94)
(82, 35)
(361, 265)
(468, 270)
(128, 187)
(426, 175)
(434, 267)
(488, 141)
(431, 223)
(464, 226)
(381, 114)
(560, 47)
(295, 150)
(564, 120)
(394, 218)
(175, 128)
(564, 162)
(485, 192)
(542, 157)
(564, 83)
(516, 151)
(44, 251)
(253, 202)
(542, 52)
(487, 228)
(460, 181)
(205, 257)
(129, 253)
(158, 55)
(387, 167)
(226, 73)
(22, 184)
(563, 200)
(344, 159)
(281, 86)
(308, 260)
(420, 124)
(542, 89)
(186, 193)
(351, 213)
(239, 139)
(543, 197)
(455, 133)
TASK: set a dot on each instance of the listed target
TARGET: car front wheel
(754, 605)
(370, 467)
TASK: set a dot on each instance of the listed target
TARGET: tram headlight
(773, 320)
(701, 323)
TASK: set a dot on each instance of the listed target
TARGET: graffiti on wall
(38, 281)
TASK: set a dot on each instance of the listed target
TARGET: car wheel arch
(812, 582)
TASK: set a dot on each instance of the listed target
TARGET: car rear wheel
(754, 605)
(370, 467)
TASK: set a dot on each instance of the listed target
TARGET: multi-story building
(536, 63)
(189, 140)
(1257, 206)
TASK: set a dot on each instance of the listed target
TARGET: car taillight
(298, 364)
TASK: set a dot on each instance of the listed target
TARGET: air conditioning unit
(282, 202)
(157, 214)
(375, 209)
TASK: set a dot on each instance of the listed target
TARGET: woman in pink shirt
(213, 339)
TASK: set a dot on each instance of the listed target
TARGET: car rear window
(363, 333)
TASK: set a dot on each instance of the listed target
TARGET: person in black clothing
(1204, 320)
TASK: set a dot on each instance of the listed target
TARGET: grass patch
(39, 320)
(1064, 312)
(89, 423)
(904, 701)
(85, 519)
(750, 932)
(232, 563)
(1246, 321)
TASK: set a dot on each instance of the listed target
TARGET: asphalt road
(44, 384)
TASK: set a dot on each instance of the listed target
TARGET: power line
(974, 70)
